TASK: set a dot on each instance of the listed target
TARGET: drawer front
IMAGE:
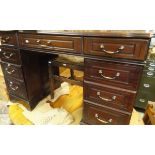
(147, 84)
(136, 49)
(142, 100)
(113, 73)
(102, 116)
(12, 70)
(9, 40)
(16, 88)
(55, 43)
(10, 55)
(149, 74)
(109, 97)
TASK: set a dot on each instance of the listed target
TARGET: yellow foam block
(72, 101)
(17, 117)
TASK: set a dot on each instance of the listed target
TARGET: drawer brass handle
(146, 85)
(107, 77)
(150, 73)
(102, 121)
(7, 56)
(142, 100)
(27, 41)
(38, 41)
(152, 64)
(64, 64)
(49, 42)
(5, 40)
(106, 99)
(151, 68)
(13, 87)
(111, 52)
(9, 71)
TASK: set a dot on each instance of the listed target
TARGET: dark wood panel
(109, 97)
(35, 68)
(9, 39)
(135, 49)
(95, 115)
(55, 43)
(12, 70)
(16, 87)
(111, 73)
(10, 55)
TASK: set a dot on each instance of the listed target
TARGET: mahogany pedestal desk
(113, 64)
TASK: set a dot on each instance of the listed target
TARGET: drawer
(16, 88)
(8, 39)
(136, 49)
(109, 97)
(142, 100)
(147, 84)
(148, 74)
(55, 43)
(113, 73)
(96, 115)
(10, 55)
(12, 70)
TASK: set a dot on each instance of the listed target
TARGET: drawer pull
(102, 121)
(9, 71)
(152, 64)
(111, 52)
(151, 68)
(5, 40)
(107, 77)
(142, 100)
(49, 42)
(47, 46)
(27, 41)
(64, 65)
(38, 41)
(146, 85)
(106, 99)
(150, 73)
(7, 56)
(13, 87)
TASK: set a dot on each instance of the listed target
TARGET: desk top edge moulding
(113, 60)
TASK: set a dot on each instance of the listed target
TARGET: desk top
(101, 33)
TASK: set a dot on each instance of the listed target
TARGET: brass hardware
(64, 64)
(146, 85)
(13, 88)
(106, 99)
(151, 68)
(142, 100)
(7, 38)
(150, 73)
(107, 77)
(27, 41)
(102, 121)
(9, 72)
(49, 42)
(111, 52)
(38, 41)
(7, 56)
(43, 45)
(4, 40)
(152, 64)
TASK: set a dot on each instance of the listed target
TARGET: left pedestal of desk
(16, 78)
